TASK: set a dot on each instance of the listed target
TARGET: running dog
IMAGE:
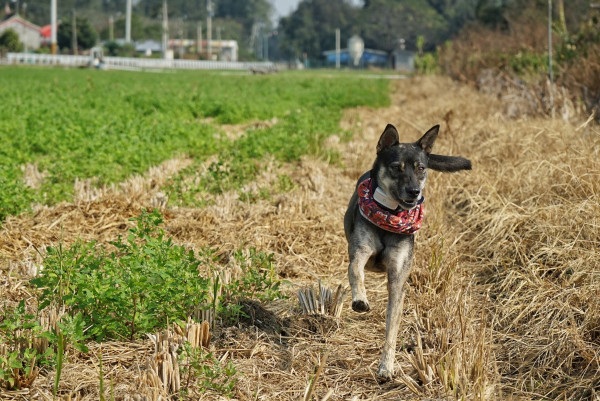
(383, 214)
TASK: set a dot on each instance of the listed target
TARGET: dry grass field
(502, 301)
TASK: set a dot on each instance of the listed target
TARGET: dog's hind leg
(398, 260)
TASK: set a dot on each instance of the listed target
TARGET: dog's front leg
(356, 275)
(363, 243)
(398, 259)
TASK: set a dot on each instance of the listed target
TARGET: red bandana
(403, 222)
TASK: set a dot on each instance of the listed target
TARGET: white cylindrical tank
(356, 46)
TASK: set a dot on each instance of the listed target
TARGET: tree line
(307, 32)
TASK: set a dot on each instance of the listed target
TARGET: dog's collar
(384, 199)
(402, 222)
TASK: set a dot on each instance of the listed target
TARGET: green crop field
(107, 125)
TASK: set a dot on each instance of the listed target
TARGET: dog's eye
(420, 169)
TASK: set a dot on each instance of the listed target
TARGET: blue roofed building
(369, 58)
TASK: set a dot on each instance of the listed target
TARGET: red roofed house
(29, 34)
(46, 33)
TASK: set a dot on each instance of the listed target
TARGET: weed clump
(141, 286)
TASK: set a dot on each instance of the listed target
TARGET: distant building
(403, 60)
(46, 35)
(29, 34)
(223, 50)
(370, 57)
(148, 47)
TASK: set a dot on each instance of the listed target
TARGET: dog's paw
(360, 306)
(384, 373)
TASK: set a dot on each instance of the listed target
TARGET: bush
(427, 64)
(147, 283)
(9, 42)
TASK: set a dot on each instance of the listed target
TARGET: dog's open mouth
(407, 204)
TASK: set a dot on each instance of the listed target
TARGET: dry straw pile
(502, 301)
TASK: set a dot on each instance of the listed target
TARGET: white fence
(131, 63)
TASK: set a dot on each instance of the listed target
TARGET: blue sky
(284, 7)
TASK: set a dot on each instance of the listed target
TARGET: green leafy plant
(146, 283)
(60, 341)
(15, 197)
(427, 63)
(200, 367)
(258, 281)
(284, 183)
(229, 172)
(19, 356)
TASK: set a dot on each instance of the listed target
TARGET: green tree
(247, 12)
(97, 11)
(86, 34)
(384, 22)
(140, 29)
(455, 13)
(311, 28)
(9, 41)
(491, 14)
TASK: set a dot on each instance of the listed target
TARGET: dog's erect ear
(426, 142)
(389, 138)
(448, 164)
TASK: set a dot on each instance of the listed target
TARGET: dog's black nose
(413, 192)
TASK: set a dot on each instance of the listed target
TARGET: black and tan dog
(384, 212)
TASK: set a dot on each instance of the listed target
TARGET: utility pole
(199, 46)
(337, 49)
(181, 50)
(111, 28)
(74, 34)
(53, 26)
(128, 22)
(165, 33)
(561, 16)
(267, 36)
(550, 56)
(209, 29)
